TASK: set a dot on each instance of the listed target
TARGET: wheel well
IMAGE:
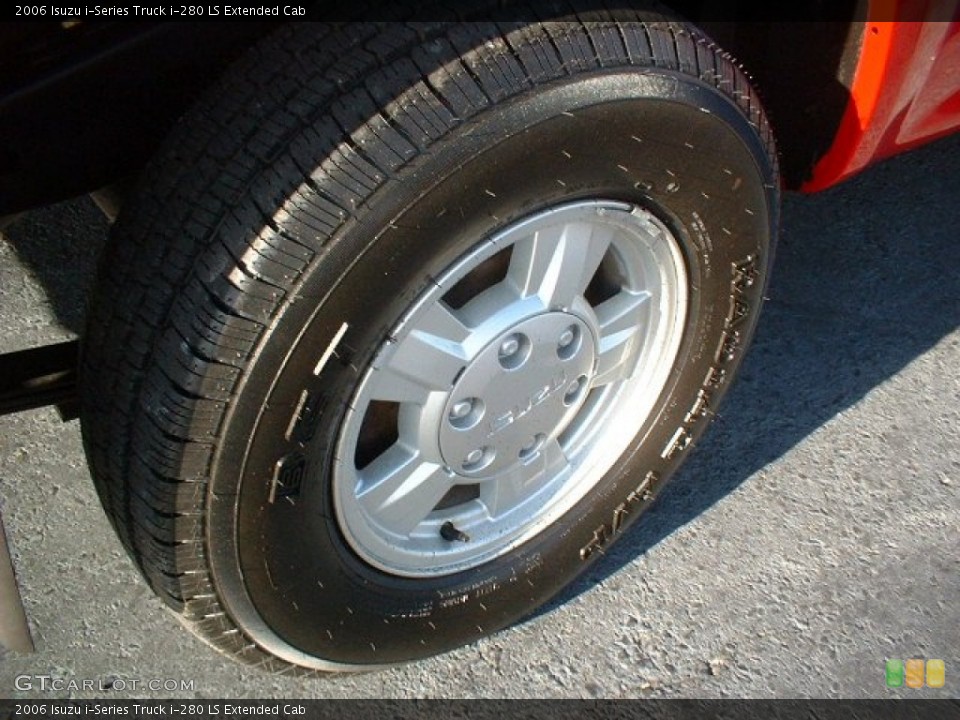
(83, 105)
(108, 121)
(802, 71)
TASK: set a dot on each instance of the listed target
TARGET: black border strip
(494, 709)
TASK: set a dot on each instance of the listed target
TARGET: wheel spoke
(440, 321)
(557, 263)
(621, 320)
(502, 495)
(427, 360)
(399, 489)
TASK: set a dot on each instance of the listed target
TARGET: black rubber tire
(304, 194)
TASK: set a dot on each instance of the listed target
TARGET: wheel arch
(103, 127)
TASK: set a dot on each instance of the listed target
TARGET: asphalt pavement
(814, 534)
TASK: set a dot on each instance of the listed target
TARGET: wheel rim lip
(595, 437)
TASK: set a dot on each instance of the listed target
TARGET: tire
(405, 324)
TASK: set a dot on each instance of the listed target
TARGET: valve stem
(450, 533)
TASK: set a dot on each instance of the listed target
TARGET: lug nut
(461, 409)
(465, 413)
(473, 458)
(532, 447)
(509, 347)
(514, 351)
(568, 342)
(573, 390)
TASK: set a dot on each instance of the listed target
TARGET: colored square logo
(914, 673)
(936, 673)
(894, 673)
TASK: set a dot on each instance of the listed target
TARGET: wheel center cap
(518, 393)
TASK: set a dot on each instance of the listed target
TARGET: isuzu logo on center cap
(537, 398)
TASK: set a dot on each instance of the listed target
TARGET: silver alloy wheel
(509, 388)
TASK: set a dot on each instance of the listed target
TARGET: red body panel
(906, 89)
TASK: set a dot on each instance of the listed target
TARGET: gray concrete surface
(815, 533)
